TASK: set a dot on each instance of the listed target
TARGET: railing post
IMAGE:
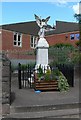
(30, 76)
(34, 80)
(19, 75)
(23, 76)
(28, 70)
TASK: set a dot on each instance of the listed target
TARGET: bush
(78, 43)
(49, 75)
(61, 54)
(40, 72)
(60, 45)
(25, 66)
(62, 83)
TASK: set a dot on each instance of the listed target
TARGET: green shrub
(40, 72)
(61, 53)
(52, 75)
(78, 43)
(24, 66)
(60, 45)
(48, 71)
(62, 83)
(47, 77)
(56, 72)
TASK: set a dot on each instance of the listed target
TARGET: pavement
(28, 97)
(29, 104)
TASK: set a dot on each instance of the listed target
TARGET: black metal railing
(68, 71)
(25, 76)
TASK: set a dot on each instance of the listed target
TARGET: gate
(25, 76)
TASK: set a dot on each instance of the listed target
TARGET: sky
(16, 12)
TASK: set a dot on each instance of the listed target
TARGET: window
(18, 39)
(33, 41)
(72, 36)
(77, 36)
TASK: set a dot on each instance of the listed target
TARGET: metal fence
(25, 76)
(68, 71)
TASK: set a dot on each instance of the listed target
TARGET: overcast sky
(15, 12)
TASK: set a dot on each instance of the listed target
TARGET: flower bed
(51, 80)
(46, 85)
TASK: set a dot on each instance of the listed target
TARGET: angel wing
(46, 20)
(38, 20)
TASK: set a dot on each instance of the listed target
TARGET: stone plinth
(42, 53)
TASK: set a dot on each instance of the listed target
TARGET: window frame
(16, 40)
(34, 43)
(71, 36)
(76, 38)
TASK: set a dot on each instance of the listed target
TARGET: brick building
(19, 38)
(65, 32)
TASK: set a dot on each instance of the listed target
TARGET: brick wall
(15, 52)
(7, 41)
(61, 38)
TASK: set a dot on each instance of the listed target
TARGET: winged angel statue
(42, 23)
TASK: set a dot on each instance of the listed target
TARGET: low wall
(15, 62)
(6, 85)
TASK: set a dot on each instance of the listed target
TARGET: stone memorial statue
(42, 23)
(42, 45)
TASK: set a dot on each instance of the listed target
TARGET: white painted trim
(17, 39)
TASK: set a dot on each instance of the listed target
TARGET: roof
(24, 27)
(63, 27)
(32, 28)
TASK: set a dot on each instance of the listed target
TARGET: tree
(78, 17)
